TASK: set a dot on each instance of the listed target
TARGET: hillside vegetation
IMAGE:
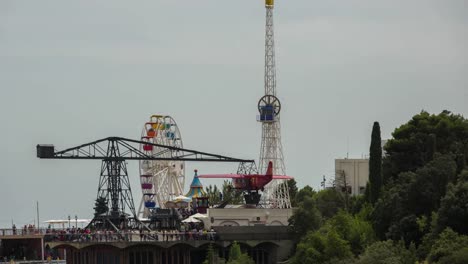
(415, 209)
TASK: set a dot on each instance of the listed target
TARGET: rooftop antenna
(347, 147)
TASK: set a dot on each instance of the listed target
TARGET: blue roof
(196, 188)
(196, 182)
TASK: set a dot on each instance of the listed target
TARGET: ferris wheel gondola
(161, 180)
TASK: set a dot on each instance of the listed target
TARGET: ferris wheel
(161, 180)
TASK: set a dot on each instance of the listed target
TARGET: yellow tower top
(269, 2)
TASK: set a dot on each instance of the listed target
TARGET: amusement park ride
(276, 194)
(275, 191)
(250, 184)
(114, 184)
(161, 158)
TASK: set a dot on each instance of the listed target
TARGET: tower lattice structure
(276, 194)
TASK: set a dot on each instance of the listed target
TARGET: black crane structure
(114, 185)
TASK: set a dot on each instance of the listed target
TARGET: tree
(411, 196)
(305, 218)
(307, 191)
(415, 143)
(453, 211)
(323, 246)
(214, 195)
(355, 230)
(230, 194)
(212, 256)
(100, 206)
(458, 257)
(447, 244)
(237, 257)
(330, 201)
(337, 241)
(387, 252)
(209, 255)
(292, 190)
(375, 164)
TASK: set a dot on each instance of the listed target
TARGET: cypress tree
(375, 164)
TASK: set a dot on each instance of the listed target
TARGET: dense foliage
(415, 208)
(415, 143)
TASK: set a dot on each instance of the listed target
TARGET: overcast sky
(73, 72)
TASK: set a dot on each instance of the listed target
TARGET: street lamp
(68, 221)
(76, 221)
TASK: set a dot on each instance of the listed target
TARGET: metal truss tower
(276, 194)
(114, 192)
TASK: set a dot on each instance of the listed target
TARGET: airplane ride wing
(282, 177)
(220, 176)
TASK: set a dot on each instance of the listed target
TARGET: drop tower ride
(276, 193)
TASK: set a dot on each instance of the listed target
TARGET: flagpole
(38, 229)
(37, 208)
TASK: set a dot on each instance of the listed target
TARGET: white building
(352, 175)
(247, 217)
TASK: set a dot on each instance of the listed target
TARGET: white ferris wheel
(161, 180)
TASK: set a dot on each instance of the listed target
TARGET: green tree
(307, 191)
(100, 206)
(447, 244)
(323, 246)
(237, 257)
(453, 211)
(305, 218)
(457, 257)
(357, 203)
(375, 164)
(292, 190)
(354, 229)
(214, 195)
(230, 194)
(337, 241)
(411, 196)
(210, 255)
(387, 252)
(415, 143)
(329, 202)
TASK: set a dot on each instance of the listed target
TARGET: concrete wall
(264, 244)
(356, 173)
(247, 217)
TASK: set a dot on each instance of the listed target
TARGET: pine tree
(237, 257)
(210, 255)
(100, 206)
(375, 164)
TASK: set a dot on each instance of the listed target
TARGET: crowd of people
(25, 230)
(86, 235)
(186, 232)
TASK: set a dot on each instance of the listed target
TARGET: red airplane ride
(250, 183)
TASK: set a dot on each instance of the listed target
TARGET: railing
(85, 236)
(130, 236)
(35, 262)
(23, 231)
(221, 233)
